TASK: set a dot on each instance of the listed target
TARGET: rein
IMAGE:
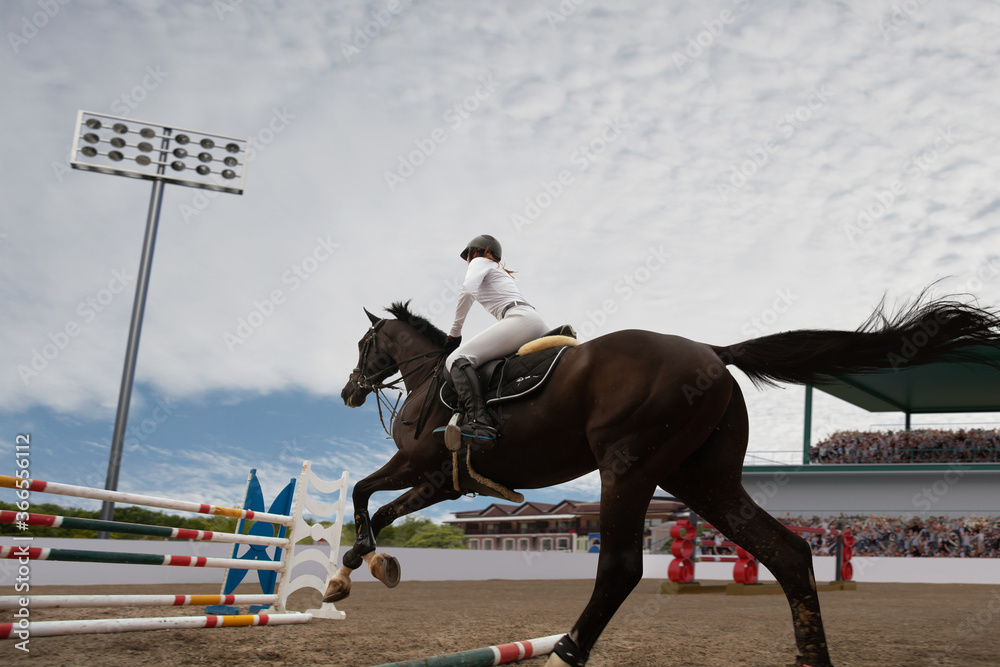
(393, 410)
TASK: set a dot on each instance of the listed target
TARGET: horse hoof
(337, 590)
(800, 662)
(386, 569)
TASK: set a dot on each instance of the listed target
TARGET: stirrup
(479, 431)
(479, 437)
(441, 431)
(474, 433)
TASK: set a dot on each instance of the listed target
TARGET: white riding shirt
(488, 284)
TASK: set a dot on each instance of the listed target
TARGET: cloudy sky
(716, 170)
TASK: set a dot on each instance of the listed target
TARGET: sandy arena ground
(878, 624)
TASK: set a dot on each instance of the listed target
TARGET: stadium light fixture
(161, 154)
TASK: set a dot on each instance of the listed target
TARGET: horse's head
(405, 345)
(375, 363)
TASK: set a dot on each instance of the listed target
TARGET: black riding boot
(477, 425)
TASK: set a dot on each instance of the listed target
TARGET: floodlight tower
(127, 147)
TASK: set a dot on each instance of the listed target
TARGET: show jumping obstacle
(288, 561)
(104, 625)
(502, 654)
(686, 551)
(253, 498)
(80, 523)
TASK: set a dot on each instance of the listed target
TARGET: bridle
(370, 343)
(376, 382)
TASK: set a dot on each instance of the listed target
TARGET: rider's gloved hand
(452, 343)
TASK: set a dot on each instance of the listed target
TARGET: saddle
(519, 374)
(505, 379)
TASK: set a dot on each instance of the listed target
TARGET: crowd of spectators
(925, 445)
(965, 537)
(962, 537)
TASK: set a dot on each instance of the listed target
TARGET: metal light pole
(124, 147)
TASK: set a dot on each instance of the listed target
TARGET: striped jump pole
(54, 628)
(38, 486)
(57, 601)
(295, 526)
(81, 523)
(502, 654)
(85, 556)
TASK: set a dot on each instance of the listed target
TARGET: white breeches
(520, 325)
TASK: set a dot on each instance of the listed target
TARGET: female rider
(517, 323)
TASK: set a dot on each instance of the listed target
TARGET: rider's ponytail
(489, 255)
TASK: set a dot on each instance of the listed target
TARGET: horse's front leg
(619, 565)
(431, 490)
(384, 567)
(392, 476)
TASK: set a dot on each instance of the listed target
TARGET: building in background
(571, 525)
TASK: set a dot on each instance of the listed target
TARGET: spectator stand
(954, 386)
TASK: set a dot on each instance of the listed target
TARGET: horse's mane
(401, 311)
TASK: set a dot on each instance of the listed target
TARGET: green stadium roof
(956, 385)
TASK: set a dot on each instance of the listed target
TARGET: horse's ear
(371, 317)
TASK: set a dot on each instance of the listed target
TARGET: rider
(493, 286)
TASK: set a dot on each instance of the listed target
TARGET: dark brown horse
(647, 410)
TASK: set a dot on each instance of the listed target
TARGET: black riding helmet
(483, 242)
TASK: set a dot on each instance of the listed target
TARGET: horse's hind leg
(709, 483)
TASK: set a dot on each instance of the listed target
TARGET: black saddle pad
(511, 377)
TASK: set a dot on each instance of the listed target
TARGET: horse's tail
(920, 332)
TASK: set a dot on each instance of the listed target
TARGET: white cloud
(348, 122)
